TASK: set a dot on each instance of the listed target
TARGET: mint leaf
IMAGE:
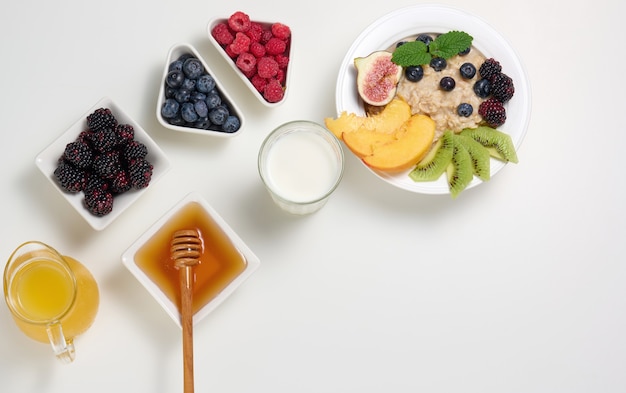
(411, 54)
(450, 44)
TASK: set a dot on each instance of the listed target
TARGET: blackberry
(489, 68)
(78, 154)
(69, 177)
(121, 182)
(502, 88)
(140, 171)
(134, 150)
(104, 140)
(95, 181)
(125, 133)
(99, 202)
(107, 165)
(84, 136)
(101, 119)
(493, 112)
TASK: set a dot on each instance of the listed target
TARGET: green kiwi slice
(434, 164)
(499, 144)
(459, 171)
(480, 156)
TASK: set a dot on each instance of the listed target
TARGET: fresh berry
(121, 183)
(275, 46)
(464, 109)
(222, 34)
(493, 112)
(205, 84)
(273, 91)
(79, 154)
(482, 88)
(140, 172)
(170, 108)
(193, 68)
(69, 177)
(125, 133)
(107, 165)
(239, 21)
(438, 63)
(241, 44)
(218, 115)
(414, 73)
(257, 49)
(502, 88)
(231, 124)
(188, 112)
(213, 99)
(425, 38)
(104, 140)
(465, 51)
(267, 67)
(282, 60)
(258, 83)
(95, 181)
(255, 32)
(99, 202)
(134, 150)
(182, 95)
(489, 68)
(447, 83)
(101, 119)
(246, 62)
(467, 70)
(281, 31)
(175, 78)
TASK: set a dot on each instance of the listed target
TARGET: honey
(220, 263)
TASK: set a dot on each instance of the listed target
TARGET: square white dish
(47, 160)
(159, 230)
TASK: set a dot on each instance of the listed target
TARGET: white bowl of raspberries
(258, 51)
(103, 163)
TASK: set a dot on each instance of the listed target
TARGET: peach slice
(363, 142)
(388, 120)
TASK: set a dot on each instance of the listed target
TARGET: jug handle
(63, 349)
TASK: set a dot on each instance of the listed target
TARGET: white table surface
(519, 285)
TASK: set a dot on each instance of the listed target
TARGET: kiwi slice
(499, 144)
(459, 170)
(479, 154)
(434, 164)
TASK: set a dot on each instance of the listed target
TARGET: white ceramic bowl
(133, 258)
(431, 18)
(47, 160)
(246, 81)
(173, 54)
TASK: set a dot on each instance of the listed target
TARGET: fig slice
(377, 77)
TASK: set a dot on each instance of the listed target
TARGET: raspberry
(502, 88)
(282, 60)
(99, 202)
(241, 44)
(78, 154)
(257, 49)
(489, 68)
(266, 36)
(255, 32)
(493, 112)
(239, 21)
(280, 76)
(275, 46)
(70, 178)
(230, 52)
(267, 67)
(222, 34)
(258, 83)
(281, 31)
(273, 92)
(101, 119)
(125, 133)
(140, 172)
(246, 62)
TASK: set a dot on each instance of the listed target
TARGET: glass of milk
(301, 164)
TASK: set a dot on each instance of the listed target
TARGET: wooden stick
(187, 323)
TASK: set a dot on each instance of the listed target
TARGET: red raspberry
(230, 52)
(246, 62)
(239, 21)
(222, 34)
(257, 49)
(273, 92)
(267, 35)
(267, 67)
(258, 83)
(282, 60)
(255, 32)
(241, 44)
(275, 46)
(280, 76)
(281, 31)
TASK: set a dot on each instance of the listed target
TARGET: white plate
(47, 162)
(417, 19)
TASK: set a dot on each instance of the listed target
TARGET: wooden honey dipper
(186, 251)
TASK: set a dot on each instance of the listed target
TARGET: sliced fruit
(435, 162)
(459, 171)
(392, 116)
(377, 77)
(411, 143)
(480, 156)
(363, 141)
(498, 143)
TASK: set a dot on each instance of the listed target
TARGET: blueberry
(206, 83)
(170, 108)
(218, 115)
(447, 83)
(169, 91)
(467, 70)
(182, 95)
(213, 100)
(176, 65)
(193, 68)
(465, 51)
(175, 79)
(189, 84)
(438, 63)
(188, 112)
(231, 124)
(414, 73)
(184, 57)
(425, 38)
(400, 43)
(203, 123)
(201, 109)
(464, 109)
(197, 96)
(482, 88)
(176, 121)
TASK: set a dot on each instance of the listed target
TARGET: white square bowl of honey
(225, 261)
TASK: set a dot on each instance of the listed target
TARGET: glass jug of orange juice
(52, 298)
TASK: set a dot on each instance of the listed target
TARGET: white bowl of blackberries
(192, 99)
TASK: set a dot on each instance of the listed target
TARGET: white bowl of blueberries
(192, 99)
